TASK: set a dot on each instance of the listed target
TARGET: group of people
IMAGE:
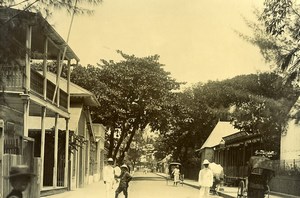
(205, 178)
(115, 175)
(20, 177)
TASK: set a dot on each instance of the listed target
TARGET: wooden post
(55, 151)
(66, 179)
(45, 68)
(27, 80)
(58, 80)
(244, 159)
(68, 84)
(2, 154)
(43, 136)
(67, 129)
(27, 58)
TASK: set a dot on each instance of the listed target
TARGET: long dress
(176, 174)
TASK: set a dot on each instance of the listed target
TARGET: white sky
(194, 38)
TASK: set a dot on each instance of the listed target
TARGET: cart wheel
(241, 190)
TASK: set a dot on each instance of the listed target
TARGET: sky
(195, 39)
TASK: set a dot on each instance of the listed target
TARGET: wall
(207, 153)
(286, 184)
(290, 147)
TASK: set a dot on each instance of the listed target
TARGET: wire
(21, 11)
(65, 50)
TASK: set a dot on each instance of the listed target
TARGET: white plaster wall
(290, 142)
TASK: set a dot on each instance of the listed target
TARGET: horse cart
(173, 174)
(255, 185)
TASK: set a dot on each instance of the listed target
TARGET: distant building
(290, 147)
(215, 138)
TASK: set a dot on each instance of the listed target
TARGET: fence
(286, 180)
(287, 167)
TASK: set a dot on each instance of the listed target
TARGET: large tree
(133, 93)
(261, 105)
(276, 31)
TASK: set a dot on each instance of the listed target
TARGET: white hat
(110, 159)
(205, 162)
(124, 166)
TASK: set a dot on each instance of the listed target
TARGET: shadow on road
(141, 178)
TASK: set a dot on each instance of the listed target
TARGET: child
(125, 179)
(19, 178)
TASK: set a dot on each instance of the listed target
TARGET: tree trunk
(127, 145)
(111, 143)
(122, 136)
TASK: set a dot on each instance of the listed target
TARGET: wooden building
(234, 153)
(230, 148)
(25, 92)
(86, 142)
(207, 150)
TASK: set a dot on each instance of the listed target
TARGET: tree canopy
(276, 33)
(261, 104)
(133, 93)
(47, 7)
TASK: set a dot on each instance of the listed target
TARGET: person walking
(109, 177)
(176, 173)
(19, 178)
(205, 180)
(125, 178)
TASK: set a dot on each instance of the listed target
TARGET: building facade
(45, 121)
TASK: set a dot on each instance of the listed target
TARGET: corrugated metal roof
(221, 130)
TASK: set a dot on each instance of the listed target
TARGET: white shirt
(205, 177)
(108, 173)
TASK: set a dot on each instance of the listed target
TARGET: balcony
(14, 81)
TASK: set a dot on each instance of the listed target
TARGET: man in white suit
(205, 180)
(109, 177)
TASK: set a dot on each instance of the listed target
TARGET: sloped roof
(40, 29)
(221, 130)
(75, 90)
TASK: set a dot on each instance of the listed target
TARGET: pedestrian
(109, 177)
(125, 178)
(205, 180)
(176, 173)
(19, 178)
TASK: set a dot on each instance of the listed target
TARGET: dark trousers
(123, 189)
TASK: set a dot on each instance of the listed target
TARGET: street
(143, 185)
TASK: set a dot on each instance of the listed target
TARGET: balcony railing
(13, 79)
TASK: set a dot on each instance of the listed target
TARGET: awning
(34, 122)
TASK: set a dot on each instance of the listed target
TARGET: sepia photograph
(149, 98)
